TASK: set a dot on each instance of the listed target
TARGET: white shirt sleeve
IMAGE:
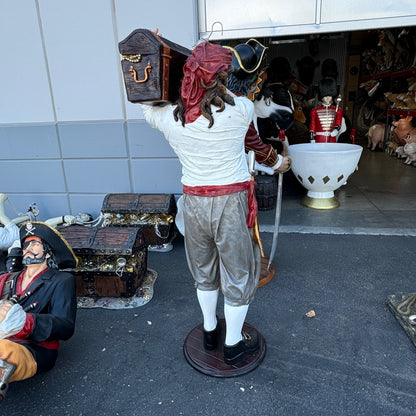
(246, 107)
(13, 322)
(8, 235)
(157, 116)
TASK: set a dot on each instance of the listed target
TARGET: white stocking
(234, 320)
(208, 302)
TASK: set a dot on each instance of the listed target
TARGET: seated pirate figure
(246, 79)
(326, 119)
(37, 306)
(219, 206)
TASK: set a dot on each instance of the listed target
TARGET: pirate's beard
(33, 260)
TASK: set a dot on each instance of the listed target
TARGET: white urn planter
(322, 168)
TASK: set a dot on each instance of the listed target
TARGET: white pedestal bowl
(322, 168)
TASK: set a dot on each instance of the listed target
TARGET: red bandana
(206, 61)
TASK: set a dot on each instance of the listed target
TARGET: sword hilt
(251, 162)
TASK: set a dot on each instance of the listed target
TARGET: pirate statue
(207, 131)
(326, 119)
(37, 306)
(247, 79)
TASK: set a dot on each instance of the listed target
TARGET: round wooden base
(266, 274)
(212, 363)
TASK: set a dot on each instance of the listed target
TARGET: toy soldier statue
(326, 119)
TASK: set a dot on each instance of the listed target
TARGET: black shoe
(211, 338)
(249, 344)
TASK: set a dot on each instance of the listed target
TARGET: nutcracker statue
(326, 119)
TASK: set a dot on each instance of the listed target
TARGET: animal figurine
(410, 100)
(396, 100)
(386, 43)
(400, 152)
(372, 61)
(275, 102)
(391, 148)
(404, 130)
(410, 152)
(411, 81)
(405, 50)
(375, 136)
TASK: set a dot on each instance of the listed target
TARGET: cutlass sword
(276, 219)
(277, 216)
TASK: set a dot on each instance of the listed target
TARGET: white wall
(67, 132)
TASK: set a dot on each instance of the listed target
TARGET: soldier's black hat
(327, 88)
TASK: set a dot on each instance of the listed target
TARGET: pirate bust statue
(326, 119)
(37, 306)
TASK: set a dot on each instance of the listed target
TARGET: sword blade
(277, 218)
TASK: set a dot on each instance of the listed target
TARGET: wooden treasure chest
(153, 213)
(112, 260)
(152, 67)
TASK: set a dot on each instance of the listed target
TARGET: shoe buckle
(246, 336)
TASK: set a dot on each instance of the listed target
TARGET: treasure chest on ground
(153, 213)
(112, 260)
(152, 67)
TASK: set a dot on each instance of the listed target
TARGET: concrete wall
(68, 135)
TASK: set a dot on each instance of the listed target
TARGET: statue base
(212, 362)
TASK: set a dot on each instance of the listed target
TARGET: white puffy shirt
(8, 235)
(209, 156)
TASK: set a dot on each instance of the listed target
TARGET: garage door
(236, 19)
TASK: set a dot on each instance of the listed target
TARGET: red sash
(218, 190)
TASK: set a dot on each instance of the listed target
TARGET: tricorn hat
(64, 255)
(247, 57)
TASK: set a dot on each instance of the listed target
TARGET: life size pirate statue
(326, 119)
(207, 131)
(38, 305)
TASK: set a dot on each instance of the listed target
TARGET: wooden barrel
(266, 192)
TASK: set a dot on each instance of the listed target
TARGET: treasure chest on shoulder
(154, 213)
(152, 67)
(112, 260)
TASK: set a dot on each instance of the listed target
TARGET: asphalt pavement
(352, 358)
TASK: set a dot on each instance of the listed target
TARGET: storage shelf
(408, 73)
(389, 74)
(379, 75)
(401, 111)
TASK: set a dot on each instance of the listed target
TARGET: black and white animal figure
(274, 102)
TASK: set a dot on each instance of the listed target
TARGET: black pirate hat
(65, 257)
(247, 58)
